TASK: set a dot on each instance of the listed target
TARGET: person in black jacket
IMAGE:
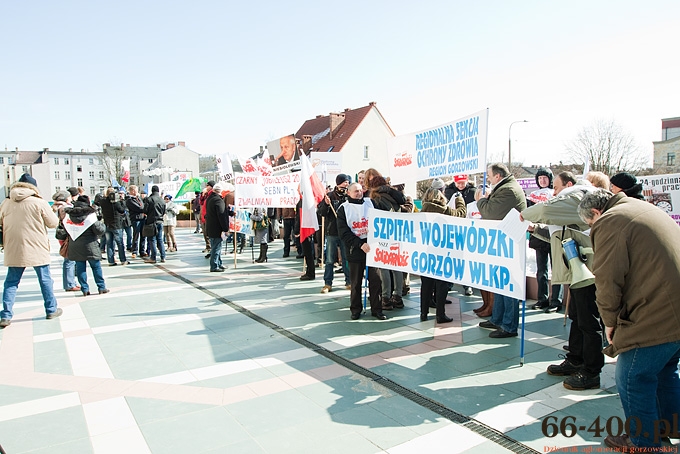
(113, 211)
(135, 207)
(353, 230)
(464, 186)
(83, 230)
(216, 222)
(154, 207)
(328, 209)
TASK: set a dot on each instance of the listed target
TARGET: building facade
(667, 150)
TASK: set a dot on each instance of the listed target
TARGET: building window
(2, 160)
(57, 188)
(92, 190)
(56, 161)
(56, 175)
(91, 174)
(80, 181)
(24, 169)
(670, 159)
(9, 160)
(90, 161)
(101, 189)
(67, 174)
(79, 168)
(66, 161)
(150, 160)
(101, 174)
(365, 151)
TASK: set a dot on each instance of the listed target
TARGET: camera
(112, 197)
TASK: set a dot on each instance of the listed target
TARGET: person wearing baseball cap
(461, 184)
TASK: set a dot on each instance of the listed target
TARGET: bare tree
(114, 155)
(607, 147)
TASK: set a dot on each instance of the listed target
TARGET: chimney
(337, 119)
(319, 116)
(46, 149)
(70, 150)
(347, 109)
(372, 103)
(181, 144)
(306, 142)
(170, 145)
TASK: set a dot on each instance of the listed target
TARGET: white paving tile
(86, 357)
(38, 406)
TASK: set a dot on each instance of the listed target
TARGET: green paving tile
(52, 357)
(241, 447)
(80, 446)
(144, 365)
(63, 426)
(150, 410)
(300, 365)
(470, 399)
(45, 328)
(310, 436)
(409, 414)
(291, 406)
(231, 380)
(364, 350)
(375, 426)
(15, 394)
(209, 428)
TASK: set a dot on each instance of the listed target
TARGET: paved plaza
(179, 360)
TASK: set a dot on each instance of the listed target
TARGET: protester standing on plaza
(196, 210)
(585, 360)
(170, 222)
(506, 194)
(113, 211)
(202, 200)
(260, 230)
(637, 274)
(24, 219)
(154, 208)
(434, 201)
(216, 222)
(135, 207)
(387, 198)
(353, 230)
(328, 209)
(540, 242)
(288, 217)
(63, 200)
(83, 231)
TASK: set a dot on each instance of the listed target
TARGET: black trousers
(428, 286)
(288, 226)
(356, 277)
(585, 335)
(308, 252)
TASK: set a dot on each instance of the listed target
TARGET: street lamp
(510, 142)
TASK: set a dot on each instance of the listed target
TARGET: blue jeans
(332, 243)
(505, 313)
(12, 280)
(81, 272)
(128, 236)
(115, 236)
(68, 276)
(157, 242)
(215, 253)
(649, 388)
(137, 234)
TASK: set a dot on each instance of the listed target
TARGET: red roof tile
(319, 129)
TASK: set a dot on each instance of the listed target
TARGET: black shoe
(222, 267)
(285, 256)
(405, 291)
(446, 319)
(488, 325)
(448, 302)
(355, 316)
(207, 256)
(433, 306)
(566, 347)
(379, 315)
(501, 333)
(5, 322)
(397, 302)
(299, 256)
(565, 368)
(540, 305)
(580, 382)
(217, 270)
(386, 304)
(305, 277)
(553, 308)
(423, 317)
(102, 291)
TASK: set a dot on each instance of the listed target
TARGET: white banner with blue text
(472, 252)
(454, 148)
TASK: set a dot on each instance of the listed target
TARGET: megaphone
(580, 274)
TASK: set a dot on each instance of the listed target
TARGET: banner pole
(521, 342)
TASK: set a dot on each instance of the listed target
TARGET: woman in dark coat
(83, 230)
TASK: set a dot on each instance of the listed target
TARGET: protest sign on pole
(458, 147)
(472, 252)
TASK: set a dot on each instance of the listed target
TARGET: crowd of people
(628, 246)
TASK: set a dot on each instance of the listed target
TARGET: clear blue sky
(229, 76)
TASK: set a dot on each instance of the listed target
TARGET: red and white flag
(312, 193)
(126, 171)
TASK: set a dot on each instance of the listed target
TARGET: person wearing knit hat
(73, 191)
(210, 183)
(438, 183)
(628, 184)
(25, 219)
(341, 178)
(62, 203)
(26, 178)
